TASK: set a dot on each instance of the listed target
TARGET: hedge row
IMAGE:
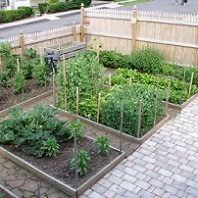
(62, 6)
(13, 15)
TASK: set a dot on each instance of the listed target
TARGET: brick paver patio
(166, 165)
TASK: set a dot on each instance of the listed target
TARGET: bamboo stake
(155, 106)
(98, 112)
(184, 77)
(54, 88)
(130, 81)
(39, 189)
(139, 118)
(77, 100)
(41, 58)
(18, 66)
(167, 98)
(75, 156)
(65, 79)
(191, 81)
(121, 123)
(109, 79)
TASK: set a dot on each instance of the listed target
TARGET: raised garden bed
(56, 171)
(68, 49)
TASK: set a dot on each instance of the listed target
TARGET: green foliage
(81, 159)
(179, 89)
(43, 7)
(51, 147)
(76, 127)
(12, 15)
(40, 74)
(148, 60)
(113, 59)
(102, 144)
(52, 1)
(84, 72)
(4, 79)
(131, 95)
(31, 129)
(18, 82)
(5, 49)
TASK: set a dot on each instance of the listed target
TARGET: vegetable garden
(132, 99)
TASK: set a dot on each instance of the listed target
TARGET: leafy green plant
(40, 74)
(4, 79)
(102, 144)
(31, 129)
(18, 82)
(51, 147)
(84, 72)
(76, 127)
(148, 60)
(81, 159)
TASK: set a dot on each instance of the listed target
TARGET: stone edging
(8, 191)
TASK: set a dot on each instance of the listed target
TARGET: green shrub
(12, 15)
(148, 60)
(43, 7)
(113, 59)
(51, 147)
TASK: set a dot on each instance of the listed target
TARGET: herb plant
(102, 144)
(51, 147)
(76, 127)
(82, 158)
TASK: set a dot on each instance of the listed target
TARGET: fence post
(134, 28)
(82, 28)
(74, 31)
(21, 42)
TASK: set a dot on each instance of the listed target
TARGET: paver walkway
(166, 165)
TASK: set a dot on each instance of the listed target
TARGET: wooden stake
(130, 81)
(155, 106)
(167, 98)
(65, 79)
(77, 100)
(121, 123)
(109, 79)
(54, 88)
(18, 66)
(191, 81)
(139, 118)
(75, 156)
(98, 112)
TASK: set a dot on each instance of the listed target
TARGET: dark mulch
(59, 167)
(31, 89)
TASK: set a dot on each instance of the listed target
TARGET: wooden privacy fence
(176, 35)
